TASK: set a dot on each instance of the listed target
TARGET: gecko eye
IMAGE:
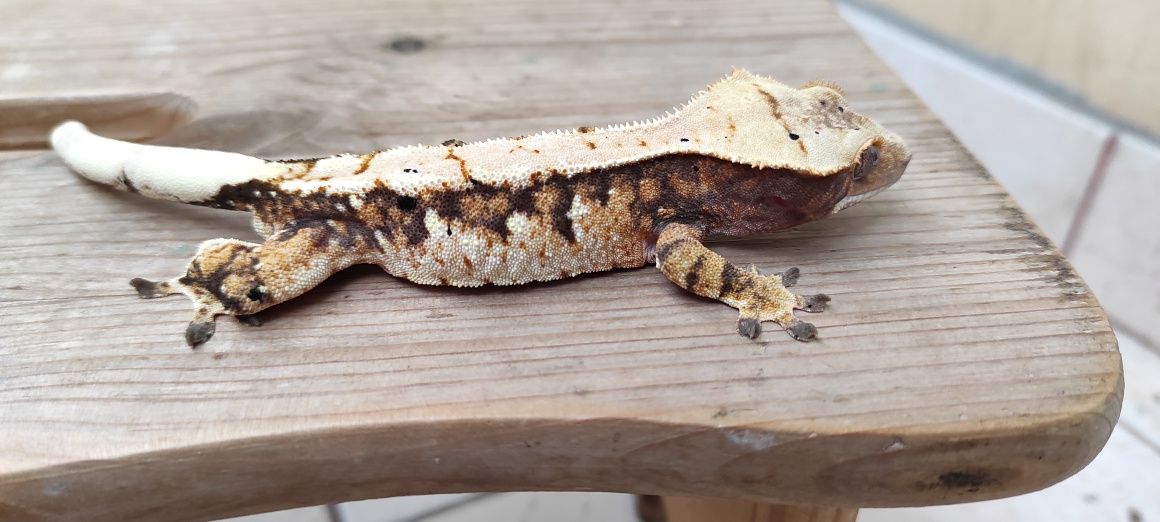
(866, 162)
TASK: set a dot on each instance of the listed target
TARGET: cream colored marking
(517, 224)
(161, 172)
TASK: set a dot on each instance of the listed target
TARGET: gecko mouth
(850, 201)
(868, 160)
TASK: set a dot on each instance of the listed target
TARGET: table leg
(700, 509)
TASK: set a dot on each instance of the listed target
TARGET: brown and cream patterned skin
(748, 156)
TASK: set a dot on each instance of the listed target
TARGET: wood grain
(962, 358)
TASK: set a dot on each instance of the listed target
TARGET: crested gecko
(748, 155)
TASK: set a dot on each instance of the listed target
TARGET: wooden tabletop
(961, 359)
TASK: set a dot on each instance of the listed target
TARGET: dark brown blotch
(971, 481)
(561, 205)
(406, 203)
(729, 274)
(414, 228)
(693, 276)
(597, 186)
(407, 45)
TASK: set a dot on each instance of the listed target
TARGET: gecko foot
(761, 298)
(199, 332)
(802, 331)
(232, 277)
(749, 327)
(790, 276)
(813, 303)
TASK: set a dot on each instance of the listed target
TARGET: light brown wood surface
(962, 359)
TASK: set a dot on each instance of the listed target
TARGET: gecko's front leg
(238, 278)
(692, 266)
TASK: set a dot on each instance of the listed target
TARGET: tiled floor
(1105, 218)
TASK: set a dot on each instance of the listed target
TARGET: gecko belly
(456, 255)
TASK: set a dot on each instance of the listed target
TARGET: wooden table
(962, 358)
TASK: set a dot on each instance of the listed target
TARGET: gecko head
(874, 157)
(881, 161)
(812, 130)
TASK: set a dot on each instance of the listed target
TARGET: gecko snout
(880, 164)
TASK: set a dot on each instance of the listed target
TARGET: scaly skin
(747, 156)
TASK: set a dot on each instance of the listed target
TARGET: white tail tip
(175, 173)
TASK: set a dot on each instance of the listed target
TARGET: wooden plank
(1120, 484)
(962, 359)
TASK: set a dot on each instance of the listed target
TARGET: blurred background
(1057, 100)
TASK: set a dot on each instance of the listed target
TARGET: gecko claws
(197, 333)
(814, 303)
(749, 327)
(790, 276)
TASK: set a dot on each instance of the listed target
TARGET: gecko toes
(802, 331)
(749, 327)
(249, 320)
(198, 333)
(790, 276)
(147, 289)
(814, 303)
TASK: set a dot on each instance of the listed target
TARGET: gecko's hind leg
(238, 278)
(758, 298)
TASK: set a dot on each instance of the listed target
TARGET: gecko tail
(171, 173)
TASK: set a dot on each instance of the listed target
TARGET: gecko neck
(742, 200)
